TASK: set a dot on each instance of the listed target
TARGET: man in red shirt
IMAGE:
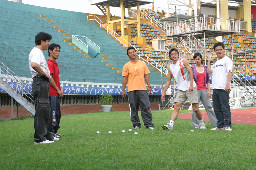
(55, 89)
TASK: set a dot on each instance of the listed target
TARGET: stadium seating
(22, 22)
(241, 41)
(146, 31)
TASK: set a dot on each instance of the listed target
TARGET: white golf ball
(130, 130)
(136, 133)
(123, 131)
(192, 130)
(98, 132)
(109, 131)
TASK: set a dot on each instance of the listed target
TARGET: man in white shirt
(221, 71)
(182, 73)
(40, 88)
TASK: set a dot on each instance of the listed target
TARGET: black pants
(40, 90)
(140, 98)
(55, 114)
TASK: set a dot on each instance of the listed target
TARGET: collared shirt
(220, 71)
(36, 55)
(54, 71)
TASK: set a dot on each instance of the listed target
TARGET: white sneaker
(202, 126)
(55, 138)
(43, 142)
(136, 127)
(152, 128)
(228, 128)
(167, 127)
(217, 128)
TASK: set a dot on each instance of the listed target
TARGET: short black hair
(200, 55)
(52, 46)
(218, 44)
(129, 48)
(42, 36)
(173, 49)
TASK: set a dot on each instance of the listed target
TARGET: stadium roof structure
(177, 17)
(116, 3)
(232, 4)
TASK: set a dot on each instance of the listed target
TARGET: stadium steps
(18, 97)
(17, 43)
(15, 88)
(94, 38)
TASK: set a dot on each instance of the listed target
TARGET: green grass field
(82, 148)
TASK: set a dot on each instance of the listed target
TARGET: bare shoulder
(169, 69)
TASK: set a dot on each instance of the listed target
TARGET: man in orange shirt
(135, 73)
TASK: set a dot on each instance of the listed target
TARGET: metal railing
(94, 45)
(19, 85)
(240, 80)
(28, 81)
(109, 30)
(152, 20)
(158, 24)
(91, 43)
(202, 23)
(80, 43)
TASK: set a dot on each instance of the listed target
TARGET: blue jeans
(221, 108)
